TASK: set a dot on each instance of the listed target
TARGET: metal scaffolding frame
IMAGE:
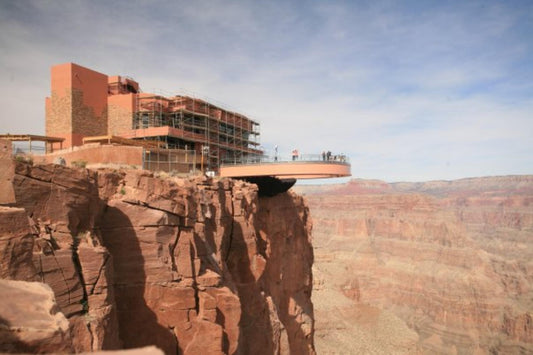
(218, 134)
(169, 160)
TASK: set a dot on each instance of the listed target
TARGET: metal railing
(34, 148)
(265, 159)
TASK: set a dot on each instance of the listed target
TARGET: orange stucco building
(85, 103)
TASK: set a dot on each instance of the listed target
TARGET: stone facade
(77, 106)
(85, 103)
(120, 112)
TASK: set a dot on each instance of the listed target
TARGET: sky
(408, 90)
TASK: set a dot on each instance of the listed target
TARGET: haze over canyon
(108, 259)
(443, 267)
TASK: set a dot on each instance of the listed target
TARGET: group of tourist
(295, 154)
(326, 155)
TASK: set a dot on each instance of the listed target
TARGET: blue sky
(410, 90)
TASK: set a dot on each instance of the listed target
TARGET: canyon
(123, 259)
(443, 267)
(107, 259)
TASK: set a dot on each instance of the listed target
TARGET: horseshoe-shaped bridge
(274, 176)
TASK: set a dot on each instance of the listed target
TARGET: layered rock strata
(452, 260)
(189, 265)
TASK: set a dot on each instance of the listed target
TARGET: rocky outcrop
(147, 350)
(7, 195)
(198, 261)
(189, 265)
(51, 237)
(30, 320)
(452, 260)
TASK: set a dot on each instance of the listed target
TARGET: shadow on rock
(138, 324)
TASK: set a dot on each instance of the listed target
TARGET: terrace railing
(265, 159)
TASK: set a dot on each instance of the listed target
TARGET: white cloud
(410, 92)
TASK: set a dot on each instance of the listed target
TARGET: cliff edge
(189, 265)
(444, 267)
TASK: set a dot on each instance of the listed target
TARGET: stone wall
(96, 154)
(59, 116)
(77, 106)
(86, 120)
(120, 114)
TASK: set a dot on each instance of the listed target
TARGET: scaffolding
(122, 141)
(170, 160)
(215, 133)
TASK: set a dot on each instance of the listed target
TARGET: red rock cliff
(190, 265)
(452, 259)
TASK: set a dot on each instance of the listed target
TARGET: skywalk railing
(265, 159)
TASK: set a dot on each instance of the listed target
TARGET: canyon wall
(192, 266)
(444, 267)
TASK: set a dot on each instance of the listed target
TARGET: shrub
(79, 163)
(85, 305)
(24, 159)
